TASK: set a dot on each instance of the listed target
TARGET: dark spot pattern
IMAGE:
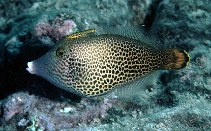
(93, 66)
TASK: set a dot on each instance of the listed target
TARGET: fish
(92, 64)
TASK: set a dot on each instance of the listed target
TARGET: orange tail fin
(176, 59)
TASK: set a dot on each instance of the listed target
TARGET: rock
(182, 103)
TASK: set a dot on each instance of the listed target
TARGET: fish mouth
(30, 67)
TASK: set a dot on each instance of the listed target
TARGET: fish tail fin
(176, 59)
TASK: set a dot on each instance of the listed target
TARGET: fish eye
(60, 52)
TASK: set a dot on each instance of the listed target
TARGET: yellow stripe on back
(80, 34)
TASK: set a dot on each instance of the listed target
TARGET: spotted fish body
(96, 65)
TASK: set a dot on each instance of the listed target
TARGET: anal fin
(140, 90)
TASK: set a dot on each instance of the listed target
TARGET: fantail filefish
(92, 65)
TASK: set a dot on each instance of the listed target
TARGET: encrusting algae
(90, 64)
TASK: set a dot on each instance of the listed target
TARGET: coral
(183, 22)
(140, 9)
(56, 28)
(28, 27)
(188, 28)
(17, 104)
(13, 46)
(45, 114)
(11, 9)
(191, 114)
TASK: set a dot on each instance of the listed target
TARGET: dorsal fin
(80, 34)
(138, 33)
